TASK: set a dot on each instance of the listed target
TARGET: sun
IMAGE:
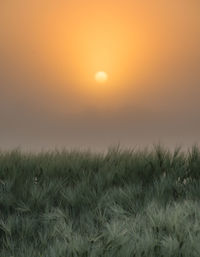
(101, 76)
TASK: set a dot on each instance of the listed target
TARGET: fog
(49, 51)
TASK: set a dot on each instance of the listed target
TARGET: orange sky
(50, 51)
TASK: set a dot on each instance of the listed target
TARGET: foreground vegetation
(124, 203)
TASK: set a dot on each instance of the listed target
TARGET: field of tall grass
(124, 203)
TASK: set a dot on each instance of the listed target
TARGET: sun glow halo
(101, 76)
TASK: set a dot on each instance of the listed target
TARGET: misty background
(43, 110)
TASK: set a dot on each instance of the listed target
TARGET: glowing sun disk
(101, 76)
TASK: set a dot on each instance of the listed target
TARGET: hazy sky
(51, 50)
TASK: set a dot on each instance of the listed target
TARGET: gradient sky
(50, 51)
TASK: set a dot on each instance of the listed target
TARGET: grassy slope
(124, 203)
